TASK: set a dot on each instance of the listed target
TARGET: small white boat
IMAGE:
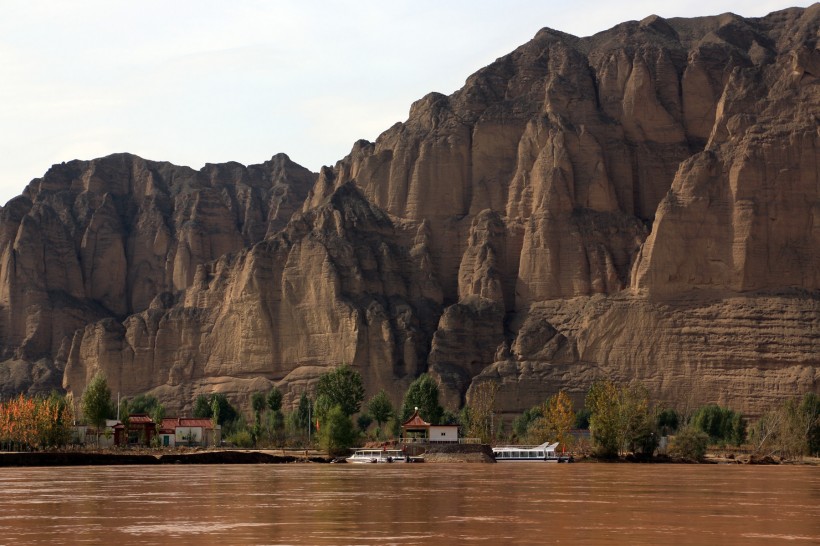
(378, 456)
(521, 454)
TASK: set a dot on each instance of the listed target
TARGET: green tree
(582, 419)
(321, 407)
(342, 387)
(667, 421)
(143, 403)
(158, 414)
(423, 394)
(275, 399)
(364, 421)
(96, 402)
(258, 405)
(276, 426)
(303, 420)
(380, 408)
(215, 408)
(125, 417)
(723, 425)
(337, 434)
(521, 424)
(204, 408)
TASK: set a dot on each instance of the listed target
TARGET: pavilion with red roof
(417, 430)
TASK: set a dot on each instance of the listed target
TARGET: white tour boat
(378, 456)
(521, 454)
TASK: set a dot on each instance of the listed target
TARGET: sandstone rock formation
(640, 204)
(342, 283)
(101, 239)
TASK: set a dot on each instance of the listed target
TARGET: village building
(140, 431)
(189, 431)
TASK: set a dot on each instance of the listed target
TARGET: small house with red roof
(417, 430)
(189, 431)
(141, 430)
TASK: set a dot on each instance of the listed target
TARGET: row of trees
(35, 423)
(622, 419)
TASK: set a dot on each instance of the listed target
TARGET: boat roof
(546, 446)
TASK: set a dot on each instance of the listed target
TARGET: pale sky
(206, 81)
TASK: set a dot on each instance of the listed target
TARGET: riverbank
(710, 458)
(459, 453)
(147, 457)
(447, 453)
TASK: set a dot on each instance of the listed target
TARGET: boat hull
(373, 456)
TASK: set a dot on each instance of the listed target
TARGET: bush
(689, 443)
(241, 438)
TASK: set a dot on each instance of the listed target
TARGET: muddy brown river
(519, 503)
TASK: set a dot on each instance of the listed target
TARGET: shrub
(241, 438)
(689, 443)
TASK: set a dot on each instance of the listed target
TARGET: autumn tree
(558, 418)
(35, 423)
(480, 411)
(602, 402)
(621, 419)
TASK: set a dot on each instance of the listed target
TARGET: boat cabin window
(540, 454)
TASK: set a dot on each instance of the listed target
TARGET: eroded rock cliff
(101, 239)
(640, 204)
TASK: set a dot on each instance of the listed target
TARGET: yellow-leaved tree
(557, 421)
